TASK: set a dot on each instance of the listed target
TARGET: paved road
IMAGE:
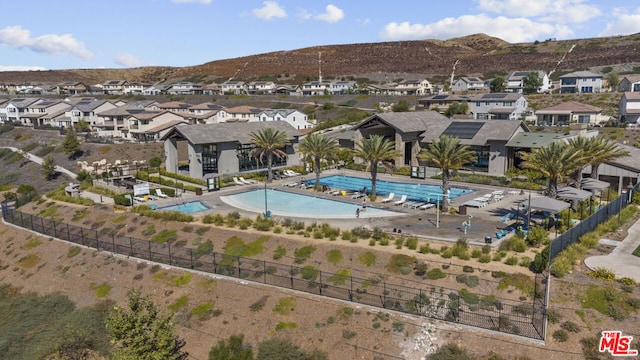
(39, 160)
(620, 260)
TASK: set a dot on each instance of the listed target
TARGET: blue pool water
(284, 203)
(188, 207)
(418, 192)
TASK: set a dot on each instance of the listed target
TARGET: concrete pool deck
(421, 223)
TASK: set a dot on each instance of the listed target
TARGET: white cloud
(558, 11)
(128, 60)
(625, 23)
(366, 21)
(19, 38)
(192, 1)
(332, 14)
(511, 30)
(20, 68)
(269, 10)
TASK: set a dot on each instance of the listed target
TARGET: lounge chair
(291, 173)
(306, 186)
(358, 195)
(426, 206)
(237, 182)
(139, 199)
(410, 203)
(247, 182)
(389, 198)
(161, 194)
(402, 200)
(416, 205)
(290, 184)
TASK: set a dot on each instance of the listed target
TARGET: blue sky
(73, 34)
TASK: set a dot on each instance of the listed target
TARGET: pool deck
(421, 223)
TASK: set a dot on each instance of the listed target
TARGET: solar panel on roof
(521, 73)
(440, 97)
(463, 130)
(494, 96)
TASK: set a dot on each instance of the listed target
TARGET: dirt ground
(321, 323)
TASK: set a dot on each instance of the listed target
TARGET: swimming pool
(283, 203)
(419, 192)
(188, 207)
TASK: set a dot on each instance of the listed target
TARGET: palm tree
(376, 150)
(603, 151)
(555, 162)
(268, 142)
(585, 146)
(317, 147)
(448, 154)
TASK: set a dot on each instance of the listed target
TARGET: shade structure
(573, 194)
(544, 203)
(593, 184)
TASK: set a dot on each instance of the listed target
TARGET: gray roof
(407, 122)
(534, 140)
(544, 203)
(89, 105)
(581, 74)
(229, 132)
(630, 162)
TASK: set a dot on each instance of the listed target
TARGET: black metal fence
(487, 312)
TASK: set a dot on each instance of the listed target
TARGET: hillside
(477, 54)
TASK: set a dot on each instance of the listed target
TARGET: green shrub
(560, 335)
(411, 243)
(604, 274)
(570, 327)
(347, 235)
(303, 253)
(216, 219)
(511, 260)
(435, 274)
(398, 261)
(485, 258)
(560, 267)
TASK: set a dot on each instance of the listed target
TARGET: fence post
(214, 263)
(239, 270)
(55, 232)
(419, 307)
(384, 294)
(130, 246)
(31, 218)
(82, 235)
(291, 276)
(68, 233)
(264, 270)
(191, 256)
(149, 243)
(320, 282)
(169, 247)
(44, 231)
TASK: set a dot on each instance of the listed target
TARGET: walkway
(38, 160)
(620, 261)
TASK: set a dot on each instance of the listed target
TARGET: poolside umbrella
(544, 203)
(594, 185)
(573, 194)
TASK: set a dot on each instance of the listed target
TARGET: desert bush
(435, 274)
(604, 274)
(560, 335)
(561, 266)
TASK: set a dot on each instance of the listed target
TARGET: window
(584, 119)
(247, 163)
(209, 158)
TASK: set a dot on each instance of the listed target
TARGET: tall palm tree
(555, 161)
(604, 150)
(376, 150)
(585, 146)
(268, 143)
(317, 147)
(448, 154)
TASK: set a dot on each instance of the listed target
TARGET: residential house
(204, 113)
(467, 84)
(44, 113)
(152, 125)
(630, 108)
(185, 88)
(261, 87)
(134, 88)
(211, 89)
(342, 87)
(86, 109)
(289, 90)
(177, 107)
(374, 89)
(224, 149)
(630, 82)
(314, 88)
(413, 131)
(414, 87)
(12, 110)
(570, 112)
(581, 82)
(295, 118)
(114, 122)
(114, 87)
(441, 102)
(498, 106)
(234, 87)
(515, 81)
(71, 88)
(28, 88)
(239, 114)
(154, 90)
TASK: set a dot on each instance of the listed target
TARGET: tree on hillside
(457, 107)
(317, 147)
(142, 332)
(231, 349)
(268, 143)
(376, 150)
(604, 150)
(531, 83)
(70, 144)
(497, 84)
(49, 168)
(613, 80)
(447, 154)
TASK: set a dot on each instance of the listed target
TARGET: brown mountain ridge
(476, 55)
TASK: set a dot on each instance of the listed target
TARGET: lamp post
(620, 200)
(267, 214)
(438, 212)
